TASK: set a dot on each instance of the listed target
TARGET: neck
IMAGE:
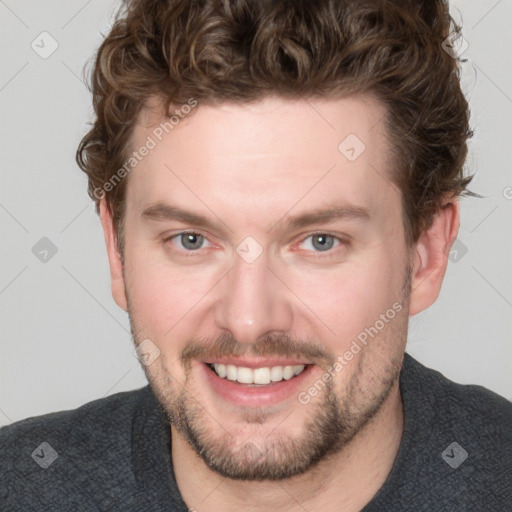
(345, 481)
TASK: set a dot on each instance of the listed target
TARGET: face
(266, 240)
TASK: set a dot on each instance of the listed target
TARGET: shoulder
(46, 454)
(101, 415)
(468, 406)
(460, 440)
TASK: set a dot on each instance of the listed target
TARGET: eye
(322, 242)
(188, 241)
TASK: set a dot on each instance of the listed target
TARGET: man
(278, 186)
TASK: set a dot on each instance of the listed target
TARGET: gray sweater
(114, 454)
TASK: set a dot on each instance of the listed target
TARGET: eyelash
(330, 252)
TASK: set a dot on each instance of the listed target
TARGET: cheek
(352, 297)
(163, 296)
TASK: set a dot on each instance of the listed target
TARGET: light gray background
(65, 342)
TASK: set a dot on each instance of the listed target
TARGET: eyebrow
(331, 213)
(165, 212)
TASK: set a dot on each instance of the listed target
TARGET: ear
(114, 257)
(430, 256)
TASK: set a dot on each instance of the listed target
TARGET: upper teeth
(257, 375)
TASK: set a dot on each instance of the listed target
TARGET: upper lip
(255, 363)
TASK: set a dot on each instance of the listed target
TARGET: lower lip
(256, 395)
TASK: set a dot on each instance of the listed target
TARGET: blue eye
(322, 242)
(189, 241)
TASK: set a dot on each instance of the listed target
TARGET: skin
(248, 168)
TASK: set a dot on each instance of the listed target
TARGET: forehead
(272, 126)
(272, 155)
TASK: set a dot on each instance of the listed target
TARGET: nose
(253, 302)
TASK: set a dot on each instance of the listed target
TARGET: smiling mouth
(258, 386)
(256, 377)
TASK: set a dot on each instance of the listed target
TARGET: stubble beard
(332, 422)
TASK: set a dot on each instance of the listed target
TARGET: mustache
(226, 345)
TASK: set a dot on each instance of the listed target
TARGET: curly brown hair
(243, 50)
